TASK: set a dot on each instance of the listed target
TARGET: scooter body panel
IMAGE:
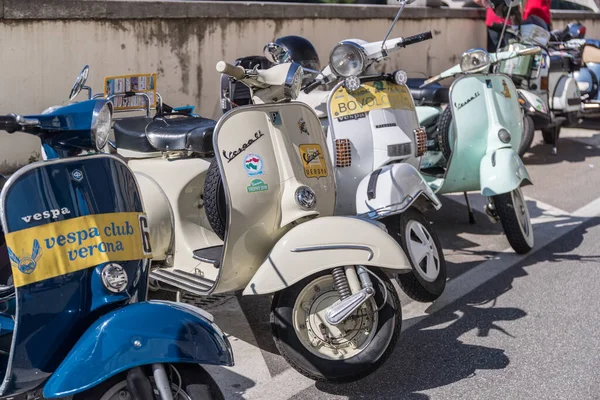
(392, 190)
(566, 97)
(502, 171)
(322, 244)
(172, 193)
(265, 154)
(130, 337)
(482, 105)
(368, 128)
(60, 220)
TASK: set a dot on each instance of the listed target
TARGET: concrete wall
(44, 45)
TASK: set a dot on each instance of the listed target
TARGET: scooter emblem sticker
(28, 262)
(506, 91)
(257, 185)
(313, 160)
(77, 175)
(302, 126)
(253, 165)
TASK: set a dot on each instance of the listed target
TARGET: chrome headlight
(101, 119)
(114, 278)
(347, 59)
(293, 81)
(306, 198)
(475, 60)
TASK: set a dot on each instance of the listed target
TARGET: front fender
(392, 190)
(502, 171)
(135, 335)
(322, 244)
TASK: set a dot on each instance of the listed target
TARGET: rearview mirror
(277, 53)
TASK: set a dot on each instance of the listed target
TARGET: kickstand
(555, 139)
(471, 214)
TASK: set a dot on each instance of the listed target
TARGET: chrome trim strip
(335, 247)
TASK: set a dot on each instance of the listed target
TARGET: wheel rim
(341, 342)
(422, 251)
(120, 392)
(522, 214)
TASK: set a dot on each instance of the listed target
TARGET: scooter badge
(313, 160)
(28, 262)
(257, 185)
(253, 164)
(275, 118)
(77, 175)
(506, 91)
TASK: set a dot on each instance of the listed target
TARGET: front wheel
(346, 352)
(514, 216)
(188, 382)
(419, 241)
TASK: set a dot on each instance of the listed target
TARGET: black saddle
(148, 135)
(434, 94)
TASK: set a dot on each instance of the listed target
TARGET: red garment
(539, 8)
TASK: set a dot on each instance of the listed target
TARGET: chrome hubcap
(422, 251)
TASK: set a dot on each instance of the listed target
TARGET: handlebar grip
(421, 37)
(231, 70)
(9, 123)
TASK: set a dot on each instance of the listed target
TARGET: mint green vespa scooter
(480, 131)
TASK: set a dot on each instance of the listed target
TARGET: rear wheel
(514, 216)
(188, 382)
(528, 133)
(419, 241)
(345, 352)
(446, 132)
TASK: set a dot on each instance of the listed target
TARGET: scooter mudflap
(339, 311)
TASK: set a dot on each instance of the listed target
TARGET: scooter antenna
(504, 27)
(387, 35)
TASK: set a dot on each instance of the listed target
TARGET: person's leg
(492, 40)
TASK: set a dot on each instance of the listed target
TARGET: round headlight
(293, 82)
(101, 120)
(475, 60)
(504, 136)
(306, 198)
(114, 278)
(347, 59)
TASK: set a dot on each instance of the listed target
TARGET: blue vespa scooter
(74, 264)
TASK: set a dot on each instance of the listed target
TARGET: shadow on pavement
(570, 149)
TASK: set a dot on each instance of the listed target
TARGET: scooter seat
(434, 94)
(148, 135)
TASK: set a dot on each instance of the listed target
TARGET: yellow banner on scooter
(371, 96)
(64, 247)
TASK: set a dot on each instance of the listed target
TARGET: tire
(517, 227)
(162, 294)
(214, 200)
(548, 134)
(195, 382)
(381, 341)
(421, 284)
(528, 133)
(444, 132)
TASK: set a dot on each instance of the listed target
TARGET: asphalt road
(507, 326)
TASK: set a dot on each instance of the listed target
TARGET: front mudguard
(502, 171)
(392, 190)
(135, 335)
(322, 244)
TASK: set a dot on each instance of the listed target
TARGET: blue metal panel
(139, 334)
(52, 314)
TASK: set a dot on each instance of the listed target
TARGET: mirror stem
(387, 35)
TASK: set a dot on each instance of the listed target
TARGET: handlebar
(9, 123)
(231, 70)
(420, 37)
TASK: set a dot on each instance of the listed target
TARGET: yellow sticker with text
(371, 96)
(313, 160)
(63, 247)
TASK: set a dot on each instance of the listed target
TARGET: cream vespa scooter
(335, 315)
(375, 142)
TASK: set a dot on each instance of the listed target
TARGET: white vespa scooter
(335, 315)
(375, 142)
